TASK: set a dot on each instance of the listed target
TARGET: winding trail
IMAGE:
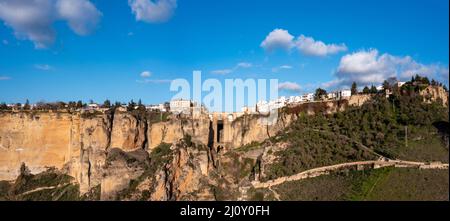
(45, 188)
(375, 164)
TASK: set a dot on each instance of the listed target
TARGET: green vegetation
(378, 184)
(161, 155)
(238, 167)
(411, 184)
(320, 94)
(354, 89)
(91, 114)
(92, 195)
(251, 146)
(48, 185)
(399, 127)
(309, 149)
(381, 124)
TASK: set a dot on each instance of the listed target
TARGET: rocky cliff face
(435, 93)
(40, 140)
(79, 145)
(175, 129)
(102, 149)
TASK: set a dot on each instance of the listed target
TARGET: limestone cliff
(435, 93)
(79, 142)
(81, 145)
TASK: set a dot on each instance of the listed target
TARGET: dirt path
(44, 188)
(327, 169)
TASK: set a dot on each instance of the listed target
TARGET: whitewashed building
(343, 94)
(331, 95)
(92, 106)
(308, 97)
(156, 107)
(181, 106)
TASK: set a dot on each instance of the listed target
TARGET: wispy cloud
(43, 67)
(244, 65)
(222, 71)
(231, 70)
(4, 78)
(145, 78)
(289, 86)
(276, 69)
(155, 81)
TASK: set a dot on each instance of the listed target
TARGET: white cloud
(4, 78)
(146, 74)
(222, 71)
(309, 46)
(33, 19)
(44, 67)
(369, 67)
(281, 39)
(289, 86)
(278, 39)
(81, 15)
(276, 69)
(285, 67)
(331, 84)
(231, 70)
(153, 11)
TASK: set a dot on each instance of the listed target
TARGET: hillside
(116, 162)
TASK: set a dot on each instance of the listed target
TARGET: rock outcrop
(435, 93)
(78, 143)
(110, 150)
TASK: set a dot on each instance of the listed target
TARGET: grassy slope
(381, 184)
(380, 125)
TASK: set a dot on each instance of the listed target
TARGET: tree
(106, 104)
(24, 171)
(354, 88)
(320, 94)
(366, 90)
(3, 106)
(79, 104)
(373, 90)
(131, 105)
(60, 105)
(433, 82)
(386, 85)
(27, 105)
(445, 88)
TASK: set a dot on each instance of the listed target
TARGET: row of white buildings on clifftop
(266, 106)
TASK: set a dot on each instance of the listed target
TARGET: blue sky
(59, 55)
